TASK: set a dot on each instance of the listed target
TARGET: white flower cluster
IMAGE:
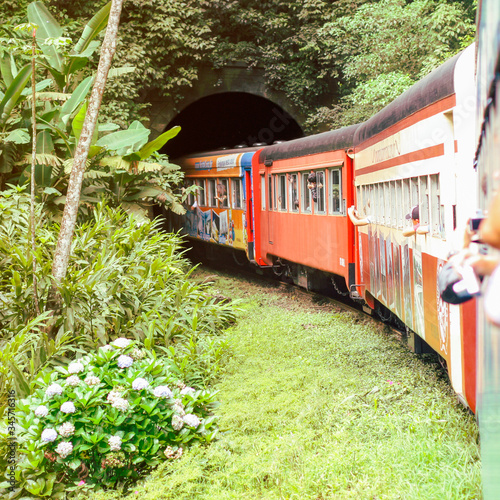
(42, 411)
(124, 361)
(139, 384)
(178, 407)
(75, 367)
(116, 400)
(92, 380)
(191, 420)
(68, 407)
(121, 343)
(177, 422)
(162, 391)
(64, 449)
(187, 390)
(49, 435)
(120, 403)
(67, 429)
(137, 354)
(173, 454)
(53, 389)
(74, 380)
(115, 443)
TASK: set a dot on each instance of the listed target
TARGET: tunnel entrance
(230, 119)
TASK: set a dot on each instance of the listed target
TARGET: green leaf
(19, 136)
(77, 97)
(123, 70)
(124, 140)
(92, 29)
(5, 68)
(48, 27)
(13, 92)
(20, 380)
(38, 87)
(147, 150)
(77, 126)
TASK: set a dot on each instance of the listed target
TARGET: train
(375, 211)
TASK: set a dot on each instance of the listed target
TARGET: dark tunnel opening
(227, 120)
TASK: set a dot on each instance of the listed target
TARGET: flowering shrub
(108, 418)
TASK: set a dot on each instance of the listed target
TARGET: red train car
(301, 226)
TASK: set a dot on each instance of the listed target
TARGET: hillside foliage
(328, 57)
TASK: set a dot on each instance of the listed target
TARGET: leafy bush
(107, 419)
(126, 278)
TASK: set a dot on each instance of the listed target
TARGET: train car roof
(327, 141)
(220, 152)
(435, 86)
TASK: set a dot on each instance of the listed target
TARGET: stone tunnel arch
(229, 119)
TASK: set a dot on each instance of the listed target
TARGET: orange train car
(302, 189)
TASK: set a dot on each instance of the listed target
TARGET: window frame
(331, 187)
(305, 199)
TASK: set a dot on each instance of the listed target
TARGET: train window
(335, 191)
(190, 199)
(202, 194)
(319, 204)
(414, 192)
(437, 210)
(282, 192)
(387, 204)
(424, 200)
(275, 192)
(212, 193)
(379, 211)
(398, 205)
(293, 190)
(237, 192)
(406, 199)
(306, 194)
(270, 190)
(263, 191)
(223, 193)
(394, 222)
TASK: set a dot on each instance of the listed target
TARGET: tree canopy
(337, 61)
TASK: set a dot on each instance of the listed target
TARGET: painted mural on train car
(216, 213)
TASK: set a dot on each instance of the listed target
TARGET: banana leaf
(156, 144)
(77, 97)
(77, 126)
(124, 141)
(19, 136)
(38, 87)
(13, 92)
(5, 69)
(48, 27)
(92, 29)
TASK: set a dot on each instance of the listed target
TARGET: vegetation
(108, 418)
(126, 279)
(328, 57)
(321, 403)
(94, 416)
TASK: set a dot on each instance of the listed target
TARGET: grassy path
(321, 405)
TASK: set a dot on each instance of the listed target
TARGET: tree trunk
(63, 248)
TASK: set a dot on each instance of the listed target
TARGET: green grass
(318, 404)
